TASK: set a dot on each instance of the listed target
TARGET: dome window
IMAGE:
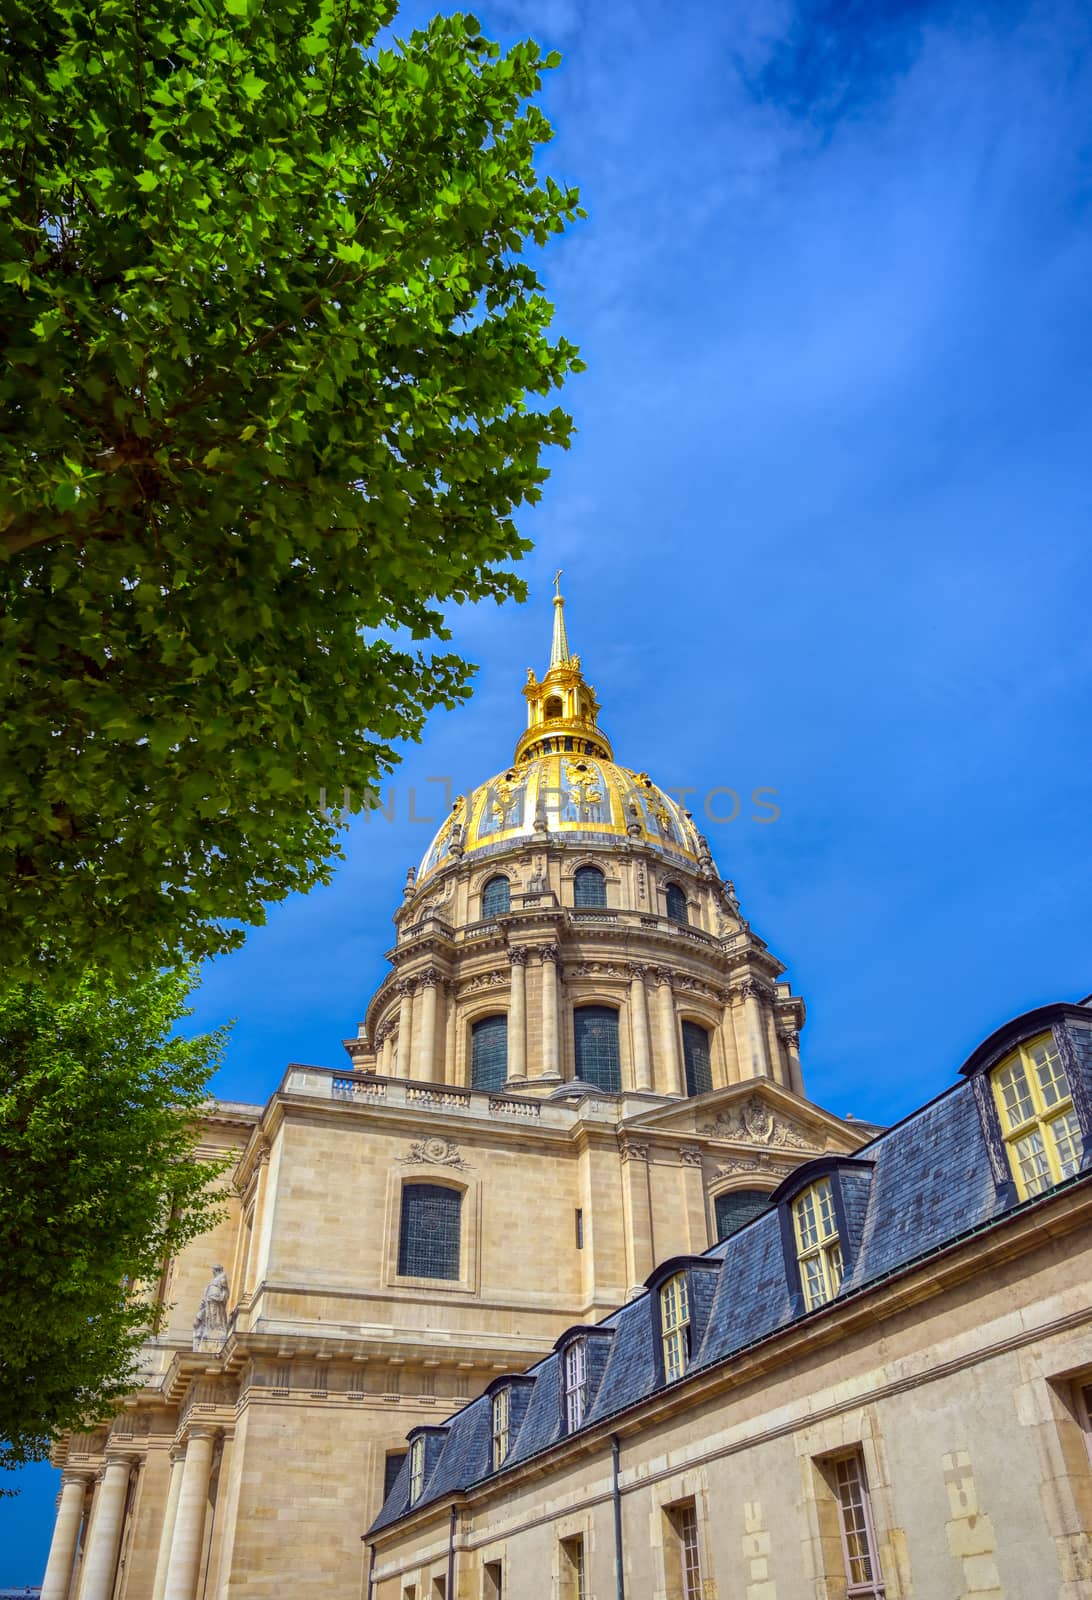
(589, 887)
(496, 897)
(554, 706)
(699, 1071)
(489, 1053)
(676, 903)
(595, 1035)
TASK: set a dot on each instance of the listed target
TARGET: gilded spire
(559, 647)
(561, 708)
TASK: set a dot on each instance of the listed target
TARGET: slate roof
(915, 1188)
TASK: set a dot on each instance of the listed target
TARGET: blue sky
(824, 526)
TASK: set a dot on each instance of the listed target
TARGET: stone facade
(252, 1464)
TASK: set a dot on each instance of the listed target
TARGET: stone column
(66, 1535)
(166, 1537)
(189, 1521)
(638, 1011)
(451, 1011)
(791, 1040)
(551, 1056)
(405, 1027)
(757, 1060)
(429, 986)
(517, 1017)
(669, 1036)
(386, 1055)
(100, 1562)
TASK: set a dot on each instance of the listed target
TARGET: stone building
(583, 1062)
(878, 1387)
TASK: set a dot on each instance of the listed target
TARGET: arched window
(737, 1207)
(489, 1053)
(496, 897)
(428, 1235)
(589, 887)
(554, 706)
(595, 1031)
(1040, 1126)
(676, 903)
(695, 1046)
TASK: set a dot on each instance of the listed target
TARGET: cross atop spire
(559, 647)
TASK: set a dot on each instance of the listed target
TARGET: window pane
(815, 1283)
(576, 1383)
(1066, 1132)
(489, 1053)
(1053, 1083)
(807, 1225)
(496, 897)
(731, 1211)
(699, 1073)
(428, 1238)
(1032, 1160)
(595, 1030)
(589, 887)
(1015, 1094)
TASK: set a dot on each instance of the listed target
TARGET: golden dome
(576, 798)
(563, 783)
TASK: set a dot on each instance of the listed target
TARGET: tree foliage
(98, 1186)
(273, 343)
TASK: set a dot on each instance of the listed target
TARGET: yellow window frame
(1037, 1115)
(417, 1469)
(501, 1416)
(818, 1245)
(675, 1325)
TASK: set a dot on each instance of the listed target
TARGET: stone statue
(210, 1323)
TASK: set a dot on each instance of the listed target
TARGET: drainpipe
(371, 1569)
(451, 1555)
(615, 1452)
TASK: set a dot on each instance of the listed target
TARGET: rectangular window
(429, 1230)
(864, 1581)
(391, 1468)
(575, 1383)
(818, 1248)
(675, 1326)
(574, 1582)
(501, 1413)
(1082, 1391)
(439, 1589)
(682, 1560)
(1040, 1127)
(579, 1229)
(492, 1581)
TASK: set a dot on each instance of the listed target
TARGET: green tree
(271, 399)
(98, 1187)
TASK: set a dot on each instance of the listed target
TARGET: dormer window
(416, 1470)
(502, 1412)
(675, 1326)
(1034, 1101)
(818, 1247)
(575, 1383)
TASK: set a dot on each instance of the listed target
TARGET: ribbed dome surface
(583, 800)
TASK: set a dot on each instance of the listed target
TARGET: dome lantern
(561, 707)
